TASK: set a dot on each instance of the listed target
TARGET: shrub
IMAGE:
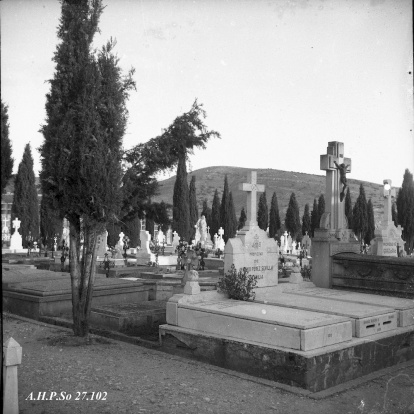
(238, 285)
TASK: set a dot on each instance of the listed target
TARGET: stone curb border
(64, 325)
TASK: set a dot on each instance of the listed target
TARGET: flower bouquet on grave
(238, 285)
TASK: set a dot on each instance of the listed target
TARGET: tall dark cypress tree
(193, 205)
(314, 218)
(25, 201)
(132, 229)
(274, 217)
(370, 234)
(232, 224)
(242, 219)
(51, 225)
(263, 212)
(215, 215)
(360, 215)
(206, 212)
(348, 208)
(321, 207)
(292, 220)
(306, 220)
(225, 210)
(405, 210)
(181, 207)
(6, 149)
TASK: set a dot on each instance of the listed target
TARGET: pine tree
(405, 210)
(225, 210)
(292, 220)
(360, 215)
(193, 206)
(242, 219)
(348, 208)
(206, 212)
(6, 149)
(274, 218)
(263, 212)
(232, 224)
(81, 155)
(314, 218)
(181, 207)
(306, 220)
(215, 215)
(25, 201)
(370, 234)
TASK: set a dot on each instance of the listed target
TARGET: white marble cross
(16, 223)
(221, 232)
(252, 188)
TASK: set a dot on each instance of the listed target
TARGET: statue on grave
(343, 169)
(201, 226)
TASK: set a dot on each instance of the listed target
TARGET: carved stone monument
(16, 238)
(144, 255)
(388, 236)
(252, 248)
(333, 235)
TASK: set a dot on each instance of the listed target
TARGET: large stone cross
(16, 223)
(252, 188)
(333, 205)
(389, 192)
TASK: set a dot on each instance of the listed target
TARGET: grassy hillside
(305, 186)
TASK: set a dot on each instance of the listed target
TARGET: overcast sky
(278, 79)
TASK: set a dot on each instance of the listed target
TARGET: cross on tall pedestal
(252, 188)
(389, 192)
(333, 204)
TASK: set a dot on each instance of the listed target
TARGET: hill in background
(305, 186)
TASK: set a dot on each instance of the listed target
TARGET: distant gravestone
(282, 242)
(160, 237)
(289, 243)
(388, 236)
(144, 255)
(216, 237)
(175, 240)
(293, 247)
(16, 238)
(306, 242)
(252, 248)
(168, 237)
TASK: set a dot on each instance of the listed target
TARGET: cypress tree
(306, 220)
(348, 208)
(242, 219)
(360, 215)
(292, 220)
(215, 215)
(86, 119)
(263, 212)
(225, 210)
(50, 224)
(394, 215)
(25, 201)
(193, 205)
(274, 218)
(132, 229)
(405, 210)
(314, 218)
(6, 149)
(181, 207)
(321, 207)
(232, 224)
(206, 212)
(370, 234)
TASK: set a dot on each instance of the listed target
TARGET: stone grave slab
(130, 318)
(366, 319)
(12, 277)
(404, 307)
(266, 324)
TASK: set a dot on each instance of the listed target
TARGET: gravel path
(133, 379)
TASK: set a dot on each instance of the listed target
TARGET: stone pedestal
(12, 357)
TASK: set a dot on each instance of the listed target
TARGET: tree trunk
(82, 275)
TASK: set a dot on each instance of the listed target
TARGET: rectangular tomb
(366, 319)
(260, 323)
(404, 307)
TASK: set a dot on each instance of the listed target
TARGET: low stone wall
(390, 276)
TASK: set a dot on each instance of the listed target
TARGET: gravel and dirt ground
(134, 379)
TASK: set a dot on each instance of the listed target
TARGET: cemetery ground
(137, 379)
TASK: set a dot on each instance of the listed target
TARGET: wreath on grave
(238, 285)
